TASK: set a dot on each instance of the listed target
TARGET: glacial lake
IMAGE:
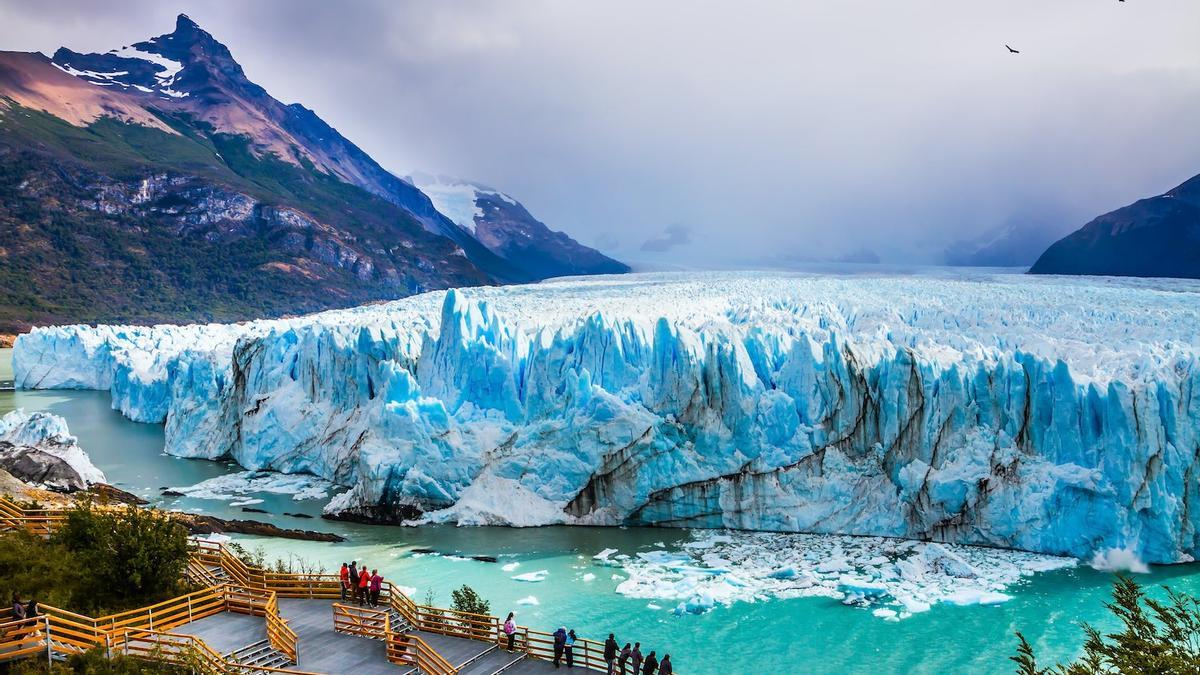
(804, 635)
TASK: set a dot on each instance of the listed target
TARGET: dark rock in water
(251, 509)
(422, 550)
(172, 493)
(298, 515)
(377, 514)
(206, 524)
(31, 465)
(484, 558)
(107, 494)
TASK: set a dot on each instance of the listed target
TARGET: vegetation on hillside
(65, 257)
(95, 662)
(1160, 638)
(99, 562)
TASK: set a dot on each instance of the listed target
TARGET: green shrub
(95, 662)
(1162, 638)
(99, 562)
(132, 557)
(466, 600)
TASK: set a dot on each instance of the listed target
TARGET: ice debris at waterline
(38, 448)
(236, 485)
(896, 578)
(1048, 414)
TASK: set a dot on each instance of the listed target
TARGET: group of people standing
(617, 659)
(360, 585)
(627, 660)
(24, 610)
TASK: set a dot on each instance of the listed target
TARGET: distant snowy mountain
(1154, 237)
(507, 229)
(1013, 245)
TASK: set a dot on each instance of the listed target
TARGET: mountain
(1013, 245)
(506, 228)
(1154, 237)
(156, 182)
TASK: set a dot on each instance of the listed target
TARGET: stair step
(478, 656)
(510, 664)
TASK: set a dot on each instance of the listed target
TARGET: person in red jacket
(364, 583)
(345, 574)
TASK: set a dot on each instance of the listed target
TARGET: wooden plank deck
(322, 650)
(226, 631)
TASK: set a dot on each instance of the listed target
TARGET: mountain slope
(189, 71)
(506, 228)
(1154, 237)
(157, 183)
(114, 220)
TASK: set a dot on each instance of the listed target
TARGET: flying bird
(1014, 51)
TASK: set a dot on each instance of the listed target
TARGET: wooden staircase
(260, 654)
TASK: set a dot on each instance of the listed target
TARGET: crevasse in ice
(1045, 414)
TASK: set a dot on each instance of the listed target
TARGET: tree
(466, 601)
(1164, 640)
(130, 557)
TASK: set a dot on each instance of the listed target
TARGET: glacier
(1051, 415)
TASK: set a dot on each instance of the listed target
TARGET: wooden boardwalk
(322, 650)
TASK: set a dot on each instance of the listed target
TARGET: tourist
(560, 641)
(624, 660)
(610, 653)
(31, 610)
(18, 609)
(510, 630)
(665, 668)
(651, 664)
(376, 586)
(364, 583)
(353, 576)
(345, 576)
(636, 658)
(570, 648)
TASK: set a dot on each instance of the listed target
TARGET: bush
(94, 662)
(1164, 640)
(131, 557)
(99, 562)
(466, 601)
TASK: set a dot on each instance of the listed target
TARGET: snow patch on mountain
(456, 199)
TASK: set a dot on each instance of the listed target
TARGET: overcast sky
(732, 133)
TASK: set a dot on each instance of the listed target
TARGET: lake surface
(817, 635)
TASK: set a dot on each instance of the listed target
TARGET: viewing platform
(249, 620)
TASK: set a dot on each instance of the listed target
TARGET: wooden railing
(22, 638)
(40, 522)
(410, 650)
(361, 621)
(185, 650)
(250, 590)
(279, 633)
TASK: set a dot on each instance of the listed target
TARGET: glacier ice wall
(1051, 415)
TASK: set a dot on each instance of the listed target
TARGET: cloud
(766, 126)
(672, 236)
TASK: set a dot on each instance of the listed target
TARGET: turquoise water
(809, 635)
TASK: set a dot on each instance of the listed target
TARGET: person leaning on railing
(510, 630)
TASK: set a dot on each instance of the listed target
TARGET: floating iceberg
(1047, 414)
(896, 578)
